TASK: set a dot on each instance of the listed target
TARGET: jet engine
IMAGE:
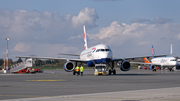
(152, 67)
(178, 66)
(125, 65)
(69, 66)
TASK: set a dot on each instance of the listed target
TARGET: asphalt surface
(56, 84)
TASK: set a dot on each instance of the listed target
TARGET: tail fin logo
(153, 52)
(146, 60)
(85, 40)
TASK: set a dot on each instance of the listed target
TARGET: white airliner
(99, 54)
(162, 62)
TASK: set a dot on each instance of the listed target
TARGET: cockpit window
(97, 50)
(173, 60)
(102, 50)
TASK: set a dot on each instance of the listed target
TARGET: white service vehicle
(100, 69)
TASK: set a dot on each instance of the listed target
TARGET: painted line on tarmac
(47, 80)
(23, 96)
(132, 91)
(56, 75)
(72, 97)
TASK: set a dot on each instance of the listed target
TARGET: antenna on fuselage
(85, 39)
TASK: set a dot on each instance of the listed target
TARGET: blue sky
(129, 27)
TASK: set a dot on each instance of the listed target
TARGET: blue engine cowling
(69, 66)
(125, 65)
(178, 66)
(152, 67)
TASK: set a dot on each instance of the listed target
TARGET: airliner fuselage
(164, 61)
(98, 54)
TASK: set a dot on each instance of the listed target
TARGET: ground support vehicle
(100, 69)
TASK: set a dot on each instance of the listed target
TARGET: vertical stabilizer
(146, 60)
(85, 39)
(171, 49)
(153, 52)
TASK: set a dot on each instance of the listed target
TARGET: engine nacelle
(69, 66)
(152, 67)
(125, 65)
(178, 66)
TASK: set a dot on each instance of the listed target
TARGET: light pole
(4, 60)
(7, 54)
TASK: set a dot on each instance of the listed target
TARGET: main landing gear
(112, 70)
(171, 70)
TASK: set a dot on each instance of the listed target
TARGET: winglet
(85, 40)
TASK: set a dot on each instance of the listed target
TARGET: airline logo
(94, 49)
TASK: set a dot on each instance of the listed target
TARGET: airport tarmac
(55, 85)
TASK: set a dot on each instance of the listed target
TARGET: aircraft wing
(69, 54)
(120, 59)
(53, 58)
(141, 63)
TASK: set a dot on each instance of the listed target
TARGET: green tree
(39, 62)
(19, 60)
(48, 62)
(1, 62)
(56, 61)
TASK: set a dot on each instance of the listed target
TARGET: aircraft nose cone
(106, 55)
(109, 55)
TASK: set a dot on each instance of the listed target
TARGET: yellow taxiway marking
(47, 80)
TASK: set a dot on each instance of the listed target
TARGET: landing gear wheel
(114, 72)
(154, 70)
(110, 72)
(170, 69)
(74, 72)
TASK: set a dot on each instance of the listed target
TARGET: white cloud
(178, 36)
(119, 33)
(140, 20)
(136, 39)
(162, 20)
(86, 16)
(156, 20)
(43, 49)
(21, 47)
(48, 29)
